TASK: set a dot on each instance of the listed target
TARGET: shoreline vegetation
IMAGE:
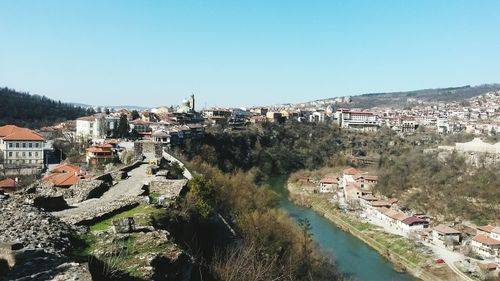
(401, 252)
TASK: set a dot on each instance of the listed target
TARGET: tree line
(34, 111)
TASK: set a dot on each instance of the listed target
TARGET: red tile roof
(66, 168)
(380, 203)
(14, 133)
(446, 229)
(486, 228)
(328, 180)
(351, 171)
(7, 183)
(486, 240)
(63, 179)
(411, 220)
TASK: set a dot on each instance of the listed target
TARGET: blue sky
(242, 53)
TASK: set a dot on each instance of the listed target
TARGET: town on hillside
(63, 168)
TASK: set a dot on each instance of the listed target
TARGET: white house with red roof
(487, 241)
(327, 185)
(22, 150)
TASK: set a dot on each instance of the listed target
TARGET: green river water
(352, 256)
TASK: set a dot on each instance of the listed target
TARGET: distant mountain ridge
(401, 99)
(128, 107)
(34, 111)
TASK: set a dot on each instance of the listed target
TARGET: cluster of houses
(354, 188)
(478, 115)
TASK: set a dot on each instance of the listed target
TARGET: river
(352, 256)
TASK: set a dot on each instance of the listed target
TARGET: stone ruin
(34, 245)
(148, 149)
(124, 225)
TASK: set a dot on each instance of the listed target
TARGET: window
(24, 145)
(17, 154)
(30, 145)
(24, 154)
(17, 144)
(36, 145)
(36, 154)
(10, 154)
(30, 154)
(10, 144)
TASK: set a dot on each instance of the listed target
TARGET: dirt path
(123, 192)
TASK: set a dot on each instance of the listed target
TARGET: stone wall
(148, 149)
(167, 188)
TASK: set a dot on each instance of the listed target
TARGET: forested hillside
(34, 111)
(421, 181)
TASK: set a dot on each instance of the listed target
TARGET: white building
(97, 126)
(487, 241)
(361, 120)
(443, 234)
(21, 150)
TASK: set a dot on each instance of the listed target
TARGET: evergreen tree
(123, 127)
(135, 114)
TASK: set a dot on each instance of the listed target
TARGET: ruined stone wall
(149, 149)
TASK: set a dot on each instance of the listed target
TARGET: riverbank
(401, 252)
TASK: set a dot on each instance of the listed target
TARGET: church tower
(191, 103)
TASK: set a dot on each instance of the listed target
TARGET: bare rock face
(73, 271)
(85, 189)
(46, 197)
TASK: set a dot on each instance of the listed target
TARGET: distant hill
(401, 99)
(128, 107)
(34, 111)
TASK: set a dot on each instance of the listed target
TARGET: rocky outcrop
(93, 215)
(85, 189)
(167, 188)
(33, 228)
(45, 197)
(72, 271)
(151, 255)
(33, 244)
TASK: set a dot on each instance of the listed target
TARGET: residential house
(327, 185)
(64, 180)
(140, 126)
(348, 177)
(352, 192)
(445, 235)
(9, 185)
(413, 223)
(487, 241)
(93, 127)
(100, 154)
(274, 117)
(21, 150)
